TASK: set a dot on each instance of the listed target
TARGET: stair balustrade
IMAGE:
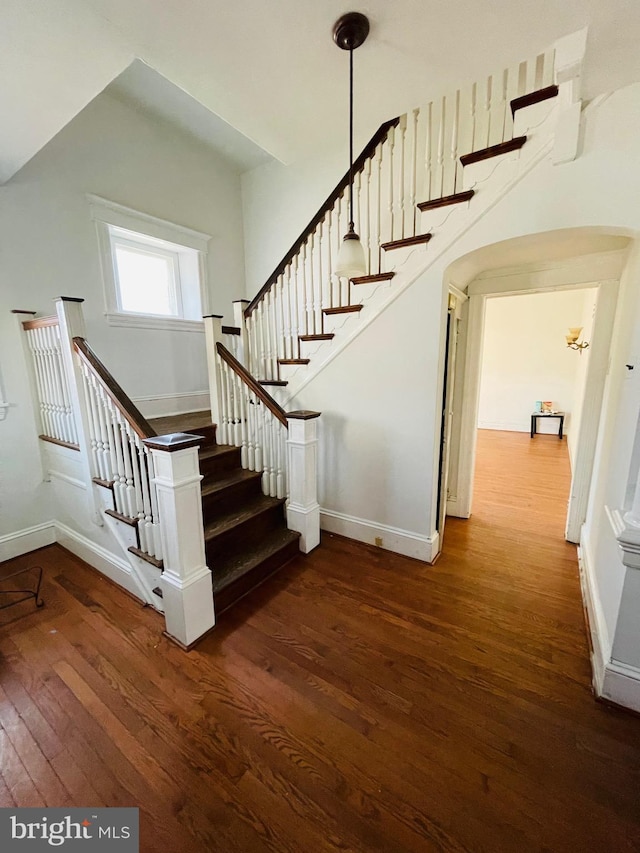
(248, 417)
(50, 381)
(410, 162)
(119, 457)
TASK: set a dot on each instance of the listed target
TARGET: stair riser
(236, 590)
(218, 466)
(230, 497)
(209, 433)
(250, 530)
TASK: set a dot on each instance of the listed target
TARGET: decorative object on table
(25, 593)
(349, 32)
(547, 407)
(572, 339)
(538, 406)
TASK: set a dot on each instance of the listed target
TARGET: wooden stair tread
(493, 150)
(416, 240)
(446, 200)
(533, 98)
(372, 279)
(187, 422)
(106, 484)
(125, 519)
(294, 360)
(238, 475)
(325, 336)
(216, 450)
(252, 508)
(158, 564)
(343, 309)
(279, 383)
(228, 570)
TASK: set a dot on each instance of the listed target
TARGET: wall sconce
(572, 339)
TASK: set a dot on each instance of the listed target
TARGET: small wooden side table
(536, 415)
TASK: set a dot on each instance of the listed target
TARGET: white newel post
(213, 335)
(71, 325)
(303, 509)
(238, 320)
(186, 582)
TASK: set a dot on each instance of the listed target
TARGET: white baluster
(391, 143)
(379, 240)
(454, 140)
(402, 193)
(414, 171)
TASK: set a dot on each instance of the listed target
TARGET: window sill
(164, 324)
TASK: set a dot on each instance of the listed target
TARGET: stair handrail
(276, 410)
(367, 152)
(124, 403)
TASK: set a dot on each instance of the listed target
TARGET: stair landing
(187, 422)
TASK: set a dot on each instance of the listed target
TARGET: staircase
(423, 180)
(246, 537)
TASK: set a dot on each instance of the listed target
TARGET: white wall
(525, 358)
(49, 248)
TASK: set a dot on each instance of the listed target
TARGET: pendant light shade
(351, 262)
(349, 33)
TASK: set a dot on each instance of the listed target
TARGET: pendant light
(349, 32)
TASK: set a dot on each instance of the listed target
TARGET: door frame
(465, 414)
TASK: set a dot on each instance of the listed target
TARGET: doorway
(597, 272)
(531, 394)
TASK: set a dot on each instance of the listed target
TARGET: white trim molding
(26, 540)
(163, 405)
(613, 680)
(621, 685)
(109, 564)
(597, 625)
(147, 321)
(406, 542)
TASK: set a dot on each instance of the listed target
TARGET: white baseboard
(115, 568)
(29, 539)
(621, 684)
(395, 539)
(164, 405)
(600, 640)
(612, 680)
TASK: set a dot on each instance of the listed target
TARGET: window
(153, 270)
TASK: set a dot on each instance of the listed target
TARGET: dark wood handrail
(139, 423)
(253, 384)
(358, 165)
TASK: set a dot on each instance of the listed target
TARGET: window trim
(106, 215)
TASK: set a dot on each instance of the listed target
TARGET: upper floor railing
(410, 161)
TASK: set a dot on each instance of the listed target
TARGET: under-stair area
(245, 532)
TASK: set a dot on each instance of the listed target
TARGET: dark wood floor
(360, 701)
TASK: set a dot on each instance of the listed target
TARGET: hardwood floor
(359, 701)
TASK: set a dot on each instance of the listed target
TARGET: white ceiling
(271, 70)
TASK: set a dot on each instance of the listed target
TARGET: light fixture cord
(351, 225)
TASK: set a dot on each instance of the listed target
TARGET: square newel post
(213, 335)
(303, 509)
(239, 320)
(71, 325)
(186, 582)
